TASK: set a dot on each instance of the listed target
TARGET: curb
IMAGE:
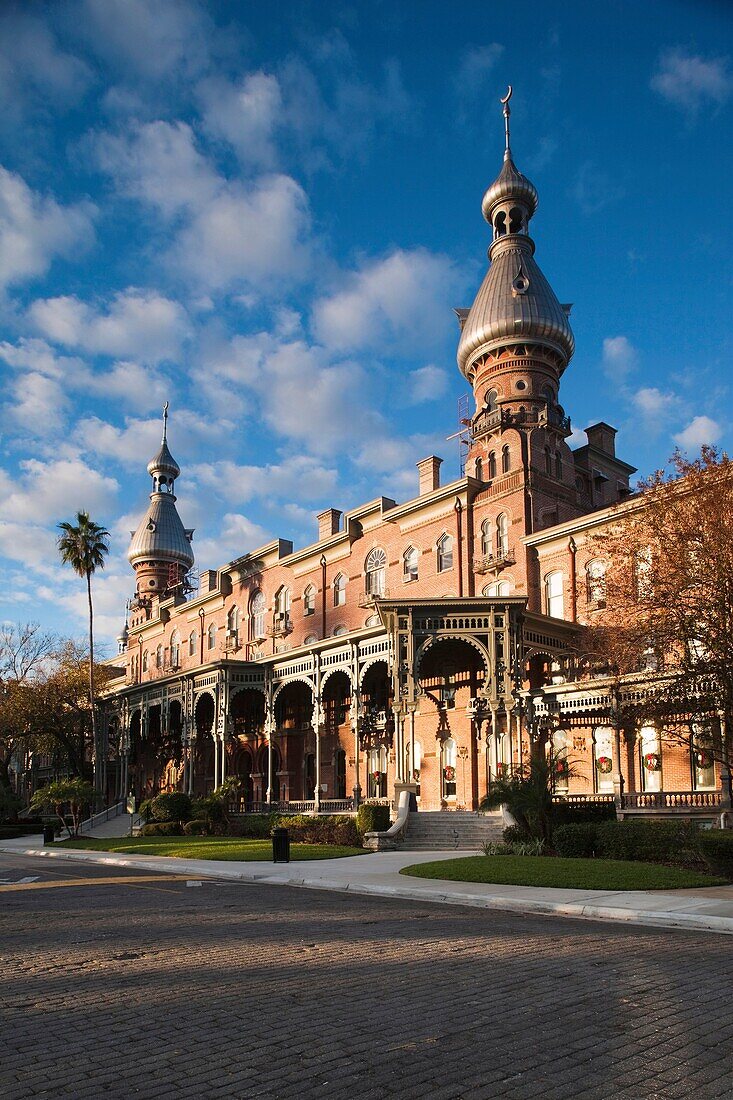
(691, 922)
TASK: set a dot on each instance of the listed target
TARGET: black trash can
(48, 832)
(280, 846)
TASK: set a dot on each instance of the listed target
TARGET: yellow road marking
(120, 880)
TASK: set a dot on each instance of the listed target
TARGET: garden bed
(208, 847)
(567, 874)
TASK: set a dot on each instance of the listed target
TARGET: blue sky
(266, 212)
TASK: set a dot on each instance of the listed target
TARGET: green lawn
(208, 847)
(570, 874)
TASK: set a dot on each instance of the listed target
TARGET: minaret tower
(515, 343)
(160, 550)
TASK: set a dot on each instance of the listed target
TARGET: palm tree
(84, 547)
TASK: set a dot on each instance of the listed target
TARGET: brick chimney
(207, 581)
(429, 470)
(603, 437)
(328, 523)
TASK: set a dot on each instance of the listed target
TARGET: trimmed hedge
(645, 841)
(716, 849)
(574, 813)
(372, 819)
(197, 827)
(253, 826)
(163, 828)
(577, 841)
(334, 829)
(174, 806)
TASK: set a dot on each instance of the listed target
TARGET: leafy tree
(668, 595)
(84, 546)
(67, 798)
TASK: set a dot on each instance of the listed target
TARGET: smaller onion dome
(510, 186)
(164, 463)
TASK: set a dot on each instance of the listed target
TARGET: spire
(165, 422)
(163, 467)
(507, 111)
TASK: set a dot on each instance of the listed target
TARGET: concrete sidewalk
(377, 873)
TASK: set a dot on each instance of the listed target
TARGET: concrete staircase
(445, 830)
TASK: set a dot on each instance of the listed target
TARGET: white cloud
(137, 323)
(401, 302)
(238, 536)
(132, 446)
(157, 39)
(700, 431)
(578, 438)
(620, 357)
(689, 81)
(246, 235)
(245, 115)
(653, 403)
(39, 405)
(34, 229)
(132, 386)
(31, 354)
(300, 476)
(593, 188)
(47, 492)
(33, 67)
(158, 163)
(427, 383)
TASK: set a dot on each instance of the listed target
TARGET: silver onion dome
(510, 186)
(161, 536)
(164, 463)
(514, 302)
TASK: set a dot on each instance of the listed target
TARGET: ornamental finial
(507, 111)
(165, 421)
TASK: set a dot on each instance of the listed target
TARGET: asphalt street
(119, 983)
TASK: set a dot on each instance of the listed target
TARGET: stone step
(450, 831)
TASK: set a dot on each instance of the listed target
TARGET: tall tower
(160, 551)
(515, 343)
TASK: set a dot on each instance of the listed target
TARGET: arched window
(449, 757)
(445, 553)
(650, 747)
(192, 644)
(643, 573)
(233, 624)
(309, 600)
(498, 588)
(310, 639)
(603, 758)
(211, 636)
(175, 649)
(145, 660)
(554, 601)
(548, 394)
(410, 560)
(548, 461)
(339, 590)
(502, 535)
(377, 778)
(340, 631)
(506, 459)
(492, 465)
(490, 401)
(559, 745)
(416, 764)
(558, 465)
(703, 763)
(159, 657)
(486, 536)
(257, 616)
(479, 470)
(282, 602)
(375, 570)
(595, 582)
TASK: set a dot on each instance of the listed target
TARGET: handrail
(103, 815)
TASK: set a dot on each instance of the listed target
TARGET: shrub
(210, 809)
(163, 828)
(649, 841)
(145, 809)
(372, 819)
(716, 848)
(334, 829)
(577, 813)
(253, 826)
(577, 841)
(533, 847)
(174, 806)
(491, 848)
(196, 827)
(514, 834)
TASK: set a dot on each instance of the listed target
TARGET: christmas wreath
(376, 776)
(652, 762)
(562, 767)
(703, 759)
(449, 773)
(604, 764)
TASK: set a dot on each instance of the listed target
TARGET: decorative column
(355, 716)
(618, 779)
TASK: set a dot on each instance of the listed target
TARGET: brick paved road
(158, 989)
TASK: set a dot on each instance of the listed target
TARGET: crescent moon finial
(165, 421)
(507, 111)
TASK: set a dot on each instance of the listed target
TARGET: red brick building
(412, 644)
